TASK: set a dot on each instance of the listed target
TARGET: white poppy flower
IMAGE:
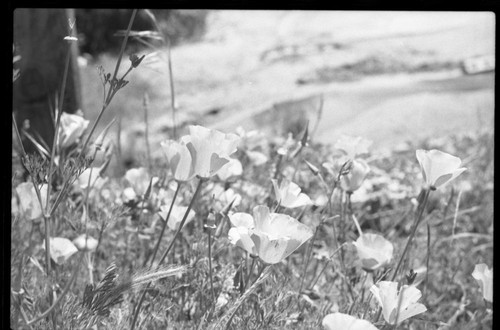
(129, 194)
(231, 169)
(252, 139)
(210, 149)
(96, 181)
(484, 276)
(139, 179)
(353, 146)
(176, 215)
(179, 160)
(85, 243)
(387, 295)
(256, 157)
(224, 197)
(354, 179)
(270, 236)
(374, 251)
(30, 205)
(342, 321)
(438, 168)
(61, 249)
(71, 129)
(288, 194)
(14, 209)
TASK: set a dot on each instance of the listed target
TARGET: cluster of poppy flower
(266, 235)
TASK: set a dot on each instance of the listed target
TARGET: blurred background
(387, 76)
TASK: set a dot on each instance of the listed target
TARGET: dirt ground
(388, 76)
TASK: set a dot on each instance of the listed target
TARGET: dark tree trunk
(39, 38)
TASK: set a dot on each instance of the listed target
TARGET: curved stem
(228, 324)
(326, 265)
(410, 238)
(311, 245)
(143, 295)
(198, 189)
(63, 293)
(165, 223)
(414, 230)
(427, 259)
(250, 271)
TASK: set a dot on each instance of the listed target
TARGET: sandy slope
(387, 109)
(228, 73)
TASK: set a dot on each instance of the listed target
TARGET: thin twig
(145, 103)
(111, 91)
(179, 184)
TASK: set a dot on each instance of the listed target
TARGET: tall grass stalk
(167, 43)
(145, 104)
(172, 89)
(59, 109)
(181, 225)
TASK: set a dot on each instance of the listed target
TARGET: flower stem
(38, 195)
(410, 238)
(427, 259)
(179, 184)
(46, 220)
(311, 245)
(240, 301)
(250, 271)
(414, 230)
(57, 126)
(143, 295)
(89, 264)
(324, 267)
(210, 266)
(198, 189)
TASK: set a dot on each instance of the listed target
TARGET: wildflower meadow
(240, 229)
